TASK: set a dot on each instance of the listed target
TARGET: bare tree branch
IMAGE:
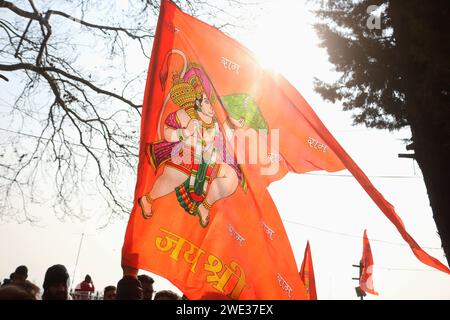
(71, 97)
(44, 71)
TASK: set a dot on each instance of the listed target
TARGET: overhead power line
(405, 269)
(343, 234)
(307, 173)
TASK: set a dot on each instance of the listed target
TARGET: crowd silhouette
(57, 283)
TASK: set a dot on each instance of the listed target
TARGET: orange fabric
(208, 262)
(366, 281)
(244, 252)
(307, 274)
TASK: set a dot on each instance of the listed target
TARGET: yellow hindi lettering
(215, 266)
(240, 285)
(176, 243)
(170, 243)
(194, 258)
(220, 275)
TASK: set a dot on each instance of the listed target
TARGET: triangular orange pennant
(366, 281)
(307, 274)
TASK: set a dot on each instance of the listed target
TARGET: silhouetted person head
(21, 274)
(14, 292)
(166, 295)
(56, 283)
(109, 293)
(129, 288)
(88, 278)
(6, 282)
(29, 287)
(147, 286)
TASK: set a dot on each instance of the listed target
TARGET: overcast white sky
(329, 211)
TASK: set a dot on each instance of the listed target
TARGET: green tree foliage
(394, 76)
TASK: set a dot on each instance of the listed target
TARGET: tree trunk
(419, 29)
(434, 162)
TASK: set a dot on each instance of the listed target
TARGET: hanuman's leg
(165, 184)
(221, 187)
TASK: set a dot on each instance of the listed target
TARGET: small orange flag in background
(216, 130)
(366, 281)
(307, 274)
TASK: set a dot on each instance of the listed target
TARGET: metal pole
(358, 290)
(360, 273)
(78, 256)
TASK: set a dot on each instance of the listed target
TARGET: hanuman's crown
(182, 93)
(197, 85)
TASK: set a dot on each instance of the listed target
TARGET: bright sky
(329, 211)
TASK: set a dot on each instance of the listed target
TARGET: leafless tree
(72, 75)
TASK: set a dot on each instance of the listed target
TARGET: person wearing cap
(56, 283)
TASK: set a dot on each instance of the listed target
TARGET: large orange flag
(365, 280)
(307, 274)
(216, 130)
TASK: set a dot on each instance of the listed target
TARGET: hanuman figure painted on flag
(192, 152)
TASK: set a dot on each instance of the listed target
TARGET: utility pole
(359, 292)
(78, 256)
(409, 147)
